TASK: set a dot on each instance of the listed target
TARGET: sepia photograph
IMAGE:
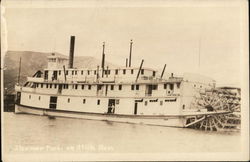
(120, 80)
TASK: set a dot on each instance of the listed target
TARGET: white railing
(32, 79)
(18, 88)
(109, 79)
(28, 89)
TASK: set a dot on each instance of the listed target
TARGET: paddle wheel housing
(221, 107)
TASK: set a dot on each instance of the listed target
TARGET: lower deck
(160, 120)
(110, 105)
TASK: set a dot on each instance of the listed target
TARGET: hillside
(34, 61)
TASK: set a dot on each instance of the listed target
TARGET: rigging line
(199, 50)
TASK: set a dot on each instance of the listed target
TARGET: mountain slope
(34, 61)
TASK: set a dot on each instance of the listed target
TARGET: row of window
(99, 87)
(171, 86)
(99, 101)
(107, 72)
(197, 86)
(52, 60)
(161, 102)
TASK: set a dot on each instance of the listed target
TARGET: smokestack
(71, 52)
(103, 55)
(130, 52)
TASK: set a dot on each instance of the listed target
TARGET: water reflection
(67, 134)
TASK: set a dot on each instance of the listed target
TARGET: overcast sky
(174, 35)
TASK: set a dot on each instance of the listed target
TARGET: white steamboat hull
(171, 120)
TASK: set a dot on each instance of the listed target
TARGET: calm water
(27, 133)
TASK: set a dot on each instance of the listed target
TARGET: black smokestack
(71, 52)
(103, 55)
(130, 53)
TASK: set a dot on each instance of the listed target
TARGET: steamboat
(128, 94)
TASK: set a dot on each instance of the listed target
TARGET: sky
(202, 39)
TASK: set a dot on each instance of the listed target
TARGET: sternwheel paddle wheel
(221, 109)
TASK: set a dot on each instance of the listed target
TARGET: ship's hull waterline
(170, 121)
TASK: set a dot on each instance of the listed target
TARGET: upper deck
(103, 81)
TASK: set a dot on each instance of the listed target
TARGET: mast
(199, 50)
(163, 71)
(64, 72)
(107, 71)
(97, 73)
(103, 58)
(19, 71)
(138, 74)
(130, 52)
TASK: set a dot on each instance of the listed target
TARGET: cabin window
(68, 100)
(55, 85)
(142, 71)
(195, 85)
(50, 86)
(116, 71)
(124, 71)
(88, 72)
(146, 103)
(76, 86)
(200, 86)
(59, 72)
(165, 86)
(161, 103)
(99, 87)
(72, 72)
(75, 72)
(41, 85)
(154, 87)
(89, 87)
(95, 72)
(156, 100)
(67, 72)
(29, 96)
(82, 72)
(171, 86)
(132, 71)
(84, 101)
(170, 100)
(153, 73)
(183, 107)
(47, 85)
(178, 85)
(98, 102)
(46, 74)
(132, 87)
(120, 87)
(111, 87)
(82, 86)
(137, 87)
(39, 97)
